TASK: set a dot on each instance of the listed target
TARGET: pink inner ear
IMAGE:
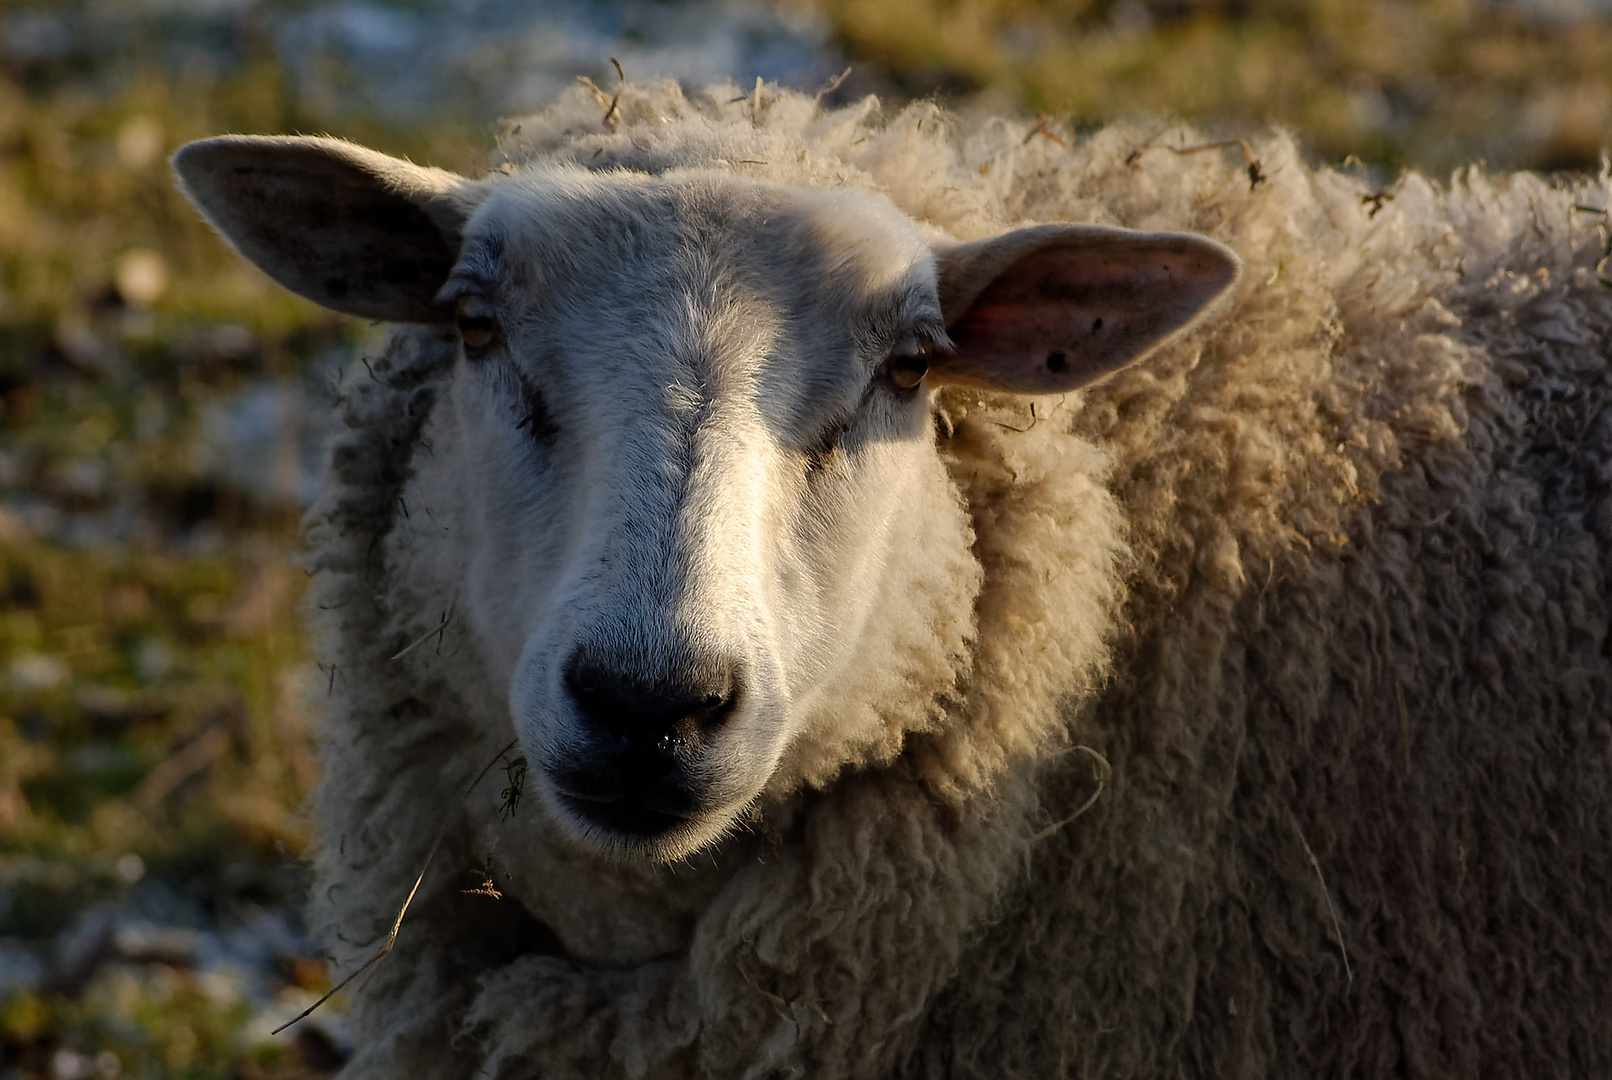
(1063, 317)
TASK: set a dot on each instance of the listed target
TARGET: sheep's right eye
(477, 321)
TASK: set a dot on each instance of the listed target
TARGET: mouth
(627, 819)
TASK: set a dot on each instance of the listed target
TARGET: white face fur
(686, 452)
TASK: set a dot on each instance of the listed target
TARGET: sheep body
(1326, 585)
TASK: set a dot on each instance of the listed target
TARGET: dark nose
(675, 709)
(644, 736)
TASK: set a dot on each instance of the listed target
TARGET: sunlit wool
(1326, 582)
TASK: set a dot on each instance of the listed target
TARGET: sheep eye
(476, 320)
(909, 362)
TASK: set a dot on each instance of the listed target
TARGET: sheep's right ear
(349, 228)
(1051, 308)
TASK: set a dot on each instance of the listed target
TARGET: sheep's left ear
(1052, 308)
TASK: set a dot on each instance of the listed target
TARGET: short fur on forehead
(694, 255)
(565, 220)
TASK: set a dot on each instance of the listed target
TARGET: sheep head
(687, 452)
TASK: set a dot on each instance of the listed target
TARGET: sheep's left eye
(909, 362)
(476, 320)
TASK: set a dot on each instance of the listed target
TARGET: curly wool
(1326, 584)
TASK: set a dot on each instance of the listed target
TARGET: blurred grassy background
(161, 402)
(1430, 84)
(156, 396)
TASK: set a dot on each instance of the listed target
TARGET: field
(162, 405)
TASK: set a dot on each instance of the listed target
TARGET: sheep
(800, 634)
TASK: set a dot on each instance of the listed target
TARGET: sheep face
(688, 432)
(685, 485)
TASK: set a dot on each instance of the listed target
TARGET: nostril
(587, 688)
(674, 709)
(711, 713)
